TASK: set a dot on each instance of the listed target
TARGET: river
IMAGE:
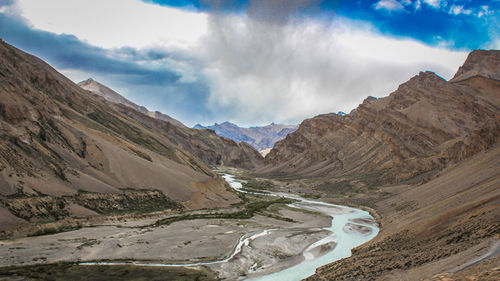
(345, 239)
(343, 219)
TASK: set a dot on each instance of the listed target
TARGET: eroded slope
(58, 140)
(427, 124)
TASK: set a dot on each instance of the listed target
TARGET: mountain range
(112, 96)
(261, 138)
(424, 126)
(425, 161)
(65, 151)
(206, 145)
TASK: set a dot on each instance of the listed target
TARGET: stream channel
(341, 233)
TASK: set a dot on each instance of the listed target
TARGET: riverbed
(350, 228)
(264, 247)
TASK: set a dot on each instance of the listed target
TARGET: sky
(250, 62)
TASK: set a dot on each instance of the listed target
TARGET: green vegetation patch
(248, 212)
(258, 185)
(46, 230)
(74, 272)
(37, 207)
(341, 187)
(130, 201)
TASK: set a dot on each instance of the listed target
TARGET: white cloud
(257, 70)
(389, 5)
(265, 72)
(484, 11)
(495, 45)
(457, 10)
(434, 3)
(418, 5)
(116, 23)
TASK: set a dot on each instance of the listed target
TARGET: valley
(405, 187)
(233, 248)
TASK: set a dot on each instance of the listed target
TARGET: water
(346, 240)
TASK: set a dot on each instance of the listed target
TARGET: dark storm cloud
(66, 51)
(281, 11)
(6, 2)
(127, 70)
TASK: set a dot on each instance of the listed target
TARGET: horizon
(251, 63)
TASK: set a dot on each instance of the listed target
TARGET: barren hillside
(419, 129)
(63, 150)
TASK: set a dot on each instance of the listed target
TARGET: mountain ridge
(112, 96)
(260, 137)
(63, 148)
(425, 125)
(205, 145)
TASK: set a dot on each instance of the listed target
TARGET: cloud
(116, 23)
(389, 5)
(435, 3)
(457, 10)
(484, 11)
(275, 62)
(68, 52)
(418, 5)
(259, 71)
(4, 3)
(150, 77)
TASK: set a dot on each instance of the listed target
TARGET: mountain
(425, 161)
(206, 145)
(424, 126)
(112, 96)
(445, 229)
(261, 138)
(64, 151)
(479, 63)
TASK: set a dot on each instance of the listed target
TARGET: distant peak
(229, 124)
(199, 126)
(86, 82)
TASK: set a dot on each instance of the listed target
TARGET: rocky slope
(433, 231)
(112, 96)
(206, 145)
(480, 63)
(424, 126)
(58, 141)
(445, 227)
(260, 138)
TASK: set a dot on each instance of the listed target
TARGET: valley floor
(185, 241)
(445, 229)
